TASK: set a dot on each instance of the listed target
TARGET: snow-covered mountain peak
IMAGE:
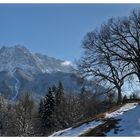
(20, 57)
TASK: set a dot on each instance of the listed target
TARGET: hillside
(125, 121)
(22, 70)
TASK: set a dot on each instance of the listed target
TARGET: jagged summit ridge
(20, 57)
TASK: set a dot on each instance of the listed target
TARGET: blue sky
(55, 30)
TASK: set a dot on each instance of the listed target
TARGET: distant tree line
(131, 98)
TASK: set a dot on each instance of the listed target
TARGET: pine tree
(54, 89)
(59, 94)
(60, 110)
(41, 108)
(48, 111)
(58, 114)
(52, 109)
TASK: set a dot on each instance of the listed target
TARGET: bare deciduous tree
(120, 37)
(24, 115)
(98, 62)
(113, 52)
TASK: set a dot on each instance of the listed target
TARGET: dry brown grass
(102, 129)
(108, 124)
(97, 117)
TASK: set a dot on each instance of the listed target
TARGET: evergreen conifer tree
(48, 111)
(41, 108)
(59, 94)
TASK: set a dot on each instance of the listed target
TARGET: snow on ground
(75, 132)
(120, 111)
(129, 124)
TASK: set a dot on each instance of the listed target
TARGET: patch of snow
(17, 85)
(45, 71)
(60, 132)
(66, 63)
(77, 131)
(129, 124)
(120, 111)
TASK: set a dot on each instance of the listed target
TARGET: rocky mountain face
(20, 57)
(21, 70)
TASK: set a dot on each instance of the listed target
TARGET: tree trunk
(119, 100)
(138, 75)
